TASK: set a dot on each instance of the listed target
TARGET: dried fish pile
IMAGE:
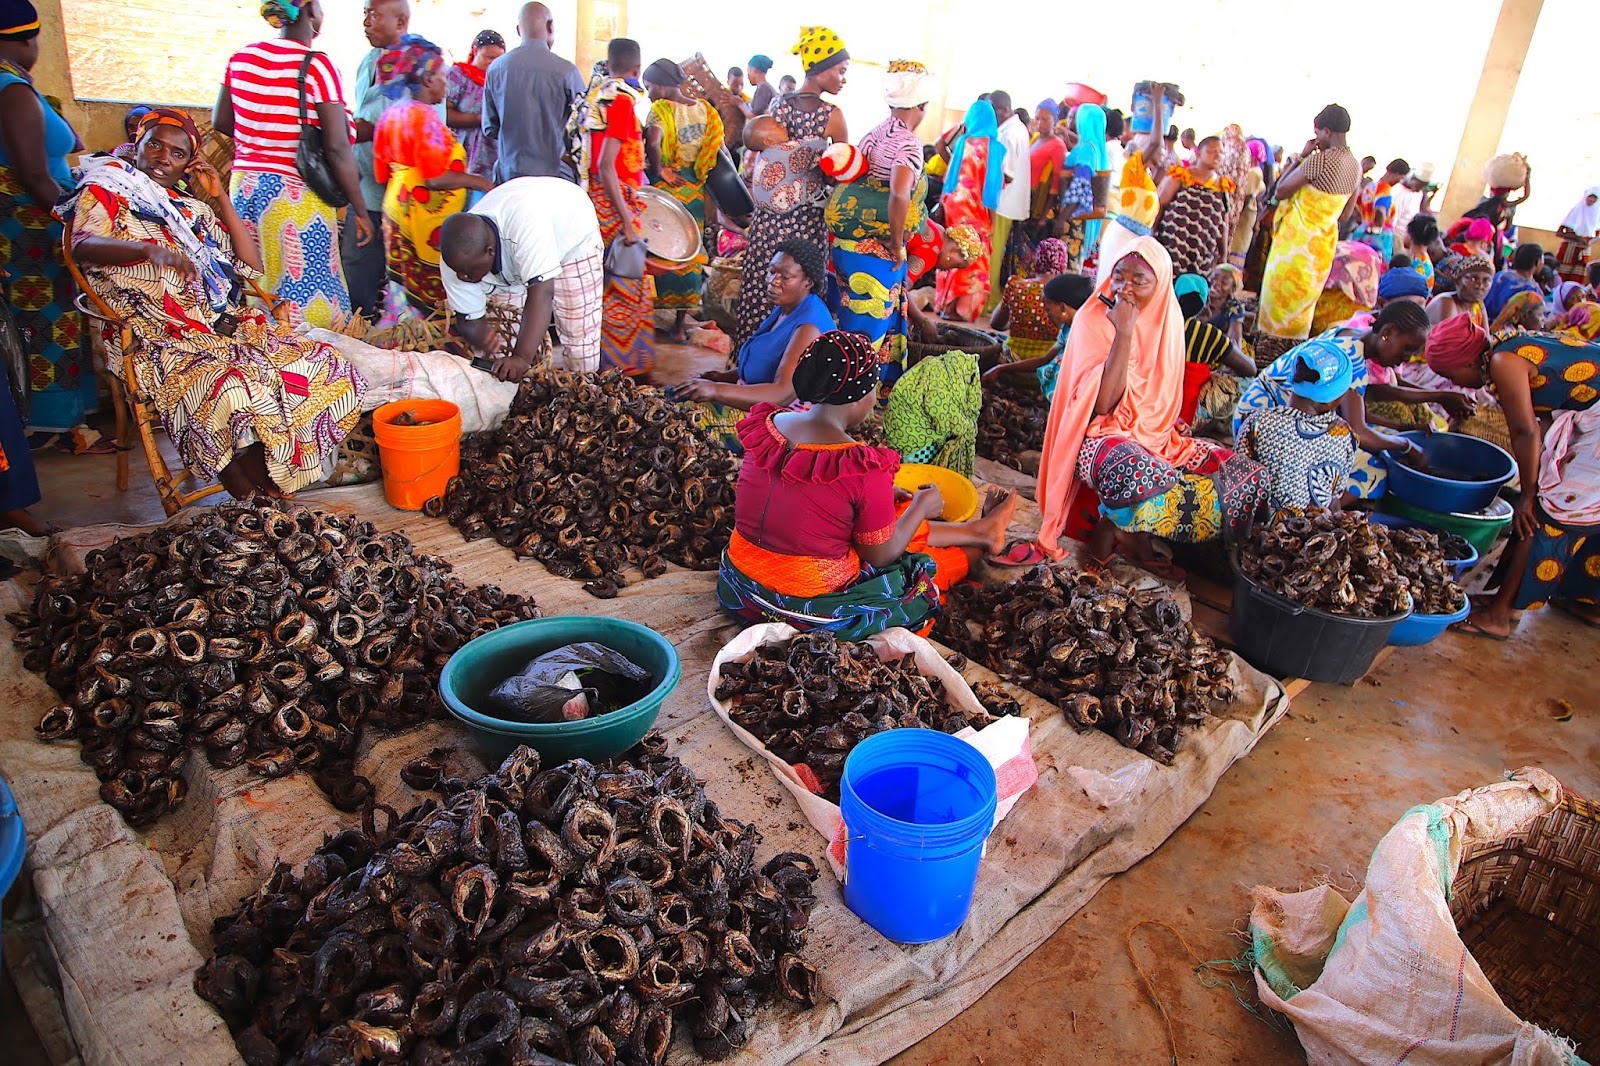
(1333, 561)
(591, 474)
(531, 917)
(813, 698)
(1419, 557)
(1013, 421)
(1124, 662)
(267, 632)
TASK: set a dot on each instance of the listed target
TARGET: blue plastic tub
(1394, 521)
(1424, 628)
(917, 805)
(1466, 473)
(481, 664)
(13, 842)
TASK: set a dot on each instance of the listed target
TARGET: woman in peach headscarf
(1114, 427)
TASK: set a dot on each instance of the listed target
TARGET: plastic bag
(555, 686)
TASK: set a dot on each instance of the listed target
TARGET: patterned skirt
(1218, 496)
(627, 334)
(1191, 228)
(301, 247)
(40, 291)
(1564, 565)
(769, 229)
(680, 290)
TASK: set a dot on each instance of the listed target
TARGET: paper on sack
(1003, 742)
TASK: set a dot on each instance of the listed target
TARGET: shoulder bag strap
(305, 66)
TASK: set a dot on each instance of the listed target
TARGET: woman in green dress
(682, 138)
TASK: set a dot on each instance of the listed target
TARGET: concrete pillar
(1486, 119)
(598, 22)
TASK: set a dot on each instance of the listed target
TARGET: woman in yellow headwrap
(787, 183)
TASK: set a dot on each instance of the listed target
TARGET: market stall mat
(128, 916)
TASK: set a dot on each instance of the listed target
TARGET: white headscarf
(908, 84)
(1584, 218)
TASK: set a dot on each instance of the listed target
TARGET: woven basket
(355, 461)
(952, 338)
(719, 295)
(217, 148)
(1528, 908)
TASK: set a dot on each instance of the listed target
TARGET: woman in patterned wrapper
(244, 398)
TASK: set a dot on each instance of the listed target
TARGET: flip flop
(1469, 628)
(1019, 553)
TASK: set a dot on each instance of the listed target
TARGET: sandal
(1019, 553)
(1470, 628)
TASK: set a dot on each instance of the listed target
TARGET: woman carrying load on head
(244, 398)
(1547, 385)
(1114, 428)
(819, 540)
(682, 139)
(873, 220)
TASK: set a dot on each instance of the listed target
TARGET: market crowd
(1224, 328)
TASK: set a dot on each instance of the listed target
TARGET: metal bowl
(670, 232)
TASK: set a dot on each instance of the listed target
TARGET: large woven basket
(953, 338)
(1528, 908)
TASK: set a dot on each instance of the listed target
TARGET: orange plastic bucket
(418, 461)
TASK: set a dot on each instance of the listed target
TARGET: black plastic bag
(568, 684)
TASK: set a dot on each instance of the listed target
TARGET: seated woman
(796, 279)
(1114, 428)
(1471, 276)
(1215, 370)
(423, 167)
(1022, 313)
(244, 398)
(819, 540)
(932, 414)
(1540, 380)
(1351, 287)
(1062, 295)
(1306, 448)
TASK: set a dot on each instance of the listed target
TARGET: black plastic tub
(1286, 639)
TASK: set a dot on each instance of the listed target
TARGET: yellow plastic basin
(960, 494)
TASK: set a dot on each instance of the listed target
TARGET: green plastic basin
(481, 664)
(1479, 529)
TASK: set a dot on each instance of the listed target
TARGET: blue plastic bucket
(1143, 118)
(13, 842)
(917, 805)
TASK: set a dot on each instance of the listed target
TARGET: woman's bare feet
(998, 507)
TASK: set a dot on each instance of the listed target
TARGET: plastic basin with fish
(1459, 566)
(1478, 528)
(1465, 473)
(1417, 629)
(481, 664)
(961, 500)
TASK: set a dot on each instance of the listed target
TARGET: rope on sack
(1205, 970)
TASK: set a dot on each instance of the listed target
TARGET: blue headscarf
(981, 122)
(1090, 152)
(1402, 281)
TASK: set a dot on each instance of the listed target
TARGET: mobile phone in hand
(1107, 300)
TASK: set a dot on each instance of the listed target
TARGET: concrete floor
(1307, 805)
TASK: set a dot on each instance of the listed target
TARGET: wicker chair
(177, 486)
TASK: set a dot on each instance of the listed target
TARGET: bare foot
(998, 507)
(1486, 623)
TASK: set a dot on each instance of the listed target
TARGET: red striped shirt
(264, 82)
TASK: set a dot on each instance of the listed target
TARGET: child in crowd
(1063, 295)
(1307, 448)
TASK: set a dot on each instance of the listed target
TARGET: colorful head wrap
(281, 13)
(1327, 360)
(403, 68)
(1258, 150)
(908, 84)
(488, 39)
(1515, 308)
(1401, 282)
(760, 62)
(981, 122)
(1481, 229)
(819, 48)
(1050, 257)
(838, 368)
(18, 21)
(168, 116)
(965, 236)
(1476, 262)
(665, 73)
(1050, 107)
(1584, 320)
(130, 121)
(1187, 283)
(1454, 344)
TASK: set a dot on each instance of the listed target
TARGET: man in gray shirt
(528, 96)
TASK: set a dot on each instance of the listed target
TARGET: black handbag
(310, 159)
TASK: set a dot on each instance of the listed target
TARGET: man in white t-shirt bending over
(539, 237)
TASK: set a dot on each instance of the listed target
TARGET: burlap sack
(1386, 979)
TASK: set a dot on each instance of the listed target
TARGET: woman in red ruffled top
(820, 539)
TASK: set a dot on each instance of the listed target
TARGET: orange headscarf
(1148, 410)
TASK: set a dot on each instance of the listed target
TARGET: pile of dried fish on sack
(590, 474)
(268, 632)
(1125, 662)
(530, 917)
(1012, 423)
(812, 698)
(1334, 561)
(1419, 556)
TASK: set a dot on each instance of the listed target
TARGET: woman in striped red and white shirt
(259, 107)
